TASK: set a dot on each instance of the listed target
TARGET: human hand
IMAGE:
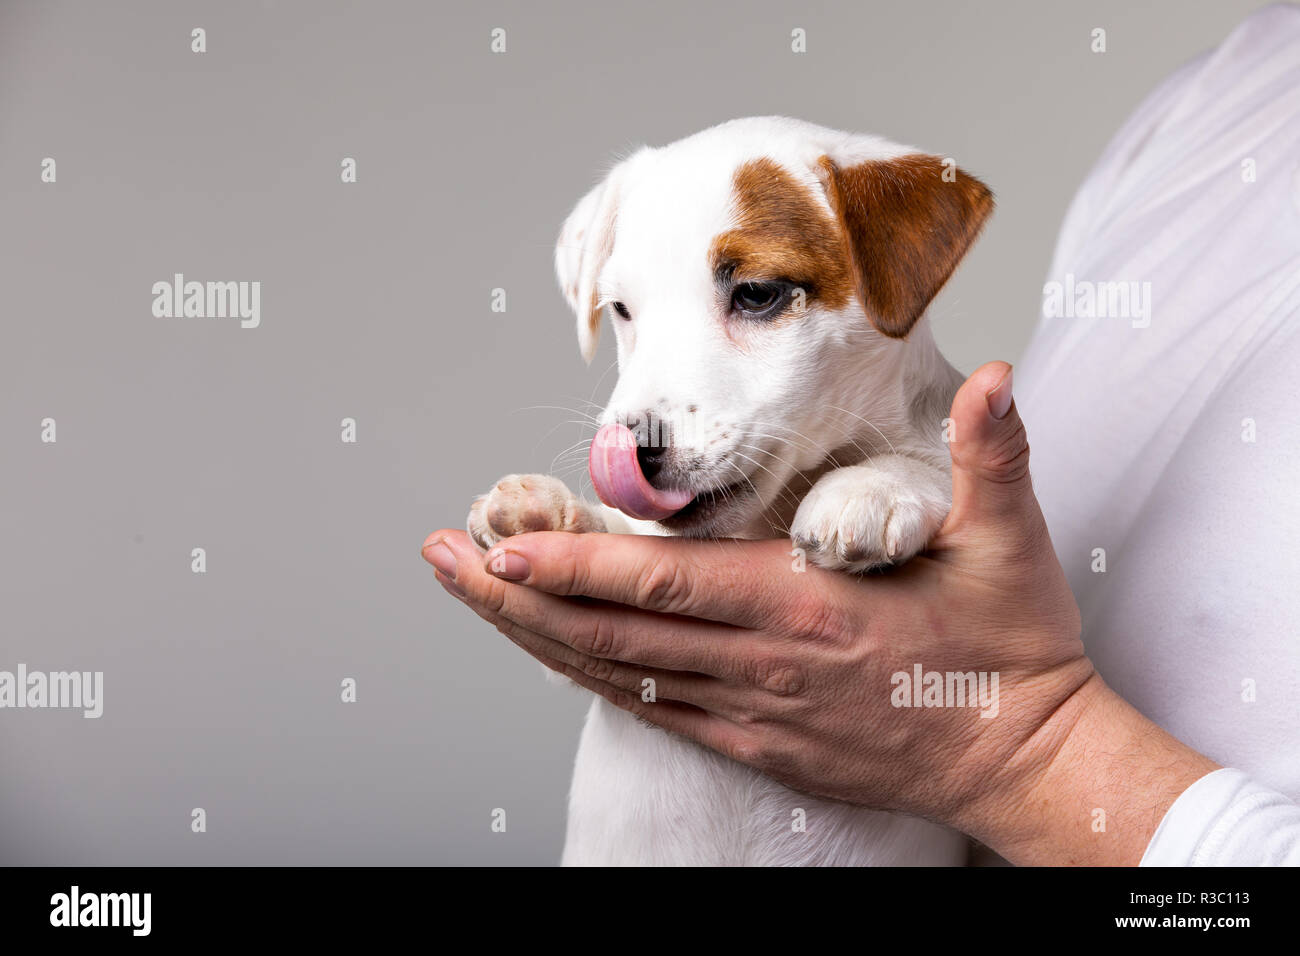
(795, 673)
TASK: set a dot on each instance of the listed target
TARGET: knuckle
(752, 750)
(1008, 460)
(664, 586)
(598, 668)
(780, 677)
(573, 572)
(748, 716)
(494, 597)
(619, 698)
(601, 640)
(816, 618)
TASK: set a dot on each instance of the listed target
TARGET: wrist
(1088, 787)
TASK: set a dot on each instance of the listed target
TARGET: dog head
(764, 279)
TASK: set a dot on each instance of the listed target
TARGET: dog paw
(871, 515)
(522, 503)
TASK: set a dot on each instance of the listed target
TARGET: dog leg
(522, 503)
(878, 513)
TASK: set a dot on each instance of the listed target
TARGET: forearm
(1089, 787)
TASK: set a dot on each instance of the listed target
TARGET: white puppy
(767, 280)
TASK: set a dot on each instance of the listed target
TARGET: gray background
(222, 689)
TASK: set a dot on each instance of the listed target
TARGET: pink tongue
(619, 482)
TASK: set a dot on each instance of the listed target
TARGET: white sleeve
(1227, 819)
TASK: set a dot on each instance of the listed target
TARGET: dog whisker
(586, 418)
(812, 445)
(868, 423)
(786, 494)
(563, 457)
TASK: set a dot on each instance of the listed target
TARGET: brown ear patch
(782, 232)
(907, 228)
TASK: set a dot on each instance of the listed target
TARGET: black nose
(651, 459)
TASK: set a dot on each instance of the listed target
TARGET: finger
(698, 690)
(605, 631)
(990, 456)
(704, 728)
(745, 583)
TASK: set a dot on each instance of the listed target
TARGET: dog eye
(756, 298)
(621, 309)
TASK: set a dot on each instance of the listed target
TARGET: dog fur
(821, 419)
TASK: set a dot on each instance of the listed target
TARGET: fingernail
(440, 556)
(999, 398)
(508, 565)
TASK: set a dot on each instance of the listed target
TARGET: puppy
(767, 281)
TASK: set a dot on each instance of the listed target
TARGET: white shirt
(1166, 440)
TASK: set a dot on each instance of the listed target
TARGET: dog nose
(651, 459)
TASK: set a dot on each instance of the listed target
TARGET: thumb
(991, 490)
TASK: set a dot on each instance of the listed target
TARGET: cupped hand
(807, 674)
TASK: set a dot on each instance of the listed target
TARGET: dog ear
(585, 243)
(907, 221)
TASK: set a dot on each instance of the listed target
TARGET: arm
(794, 673)
(1095, 753)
